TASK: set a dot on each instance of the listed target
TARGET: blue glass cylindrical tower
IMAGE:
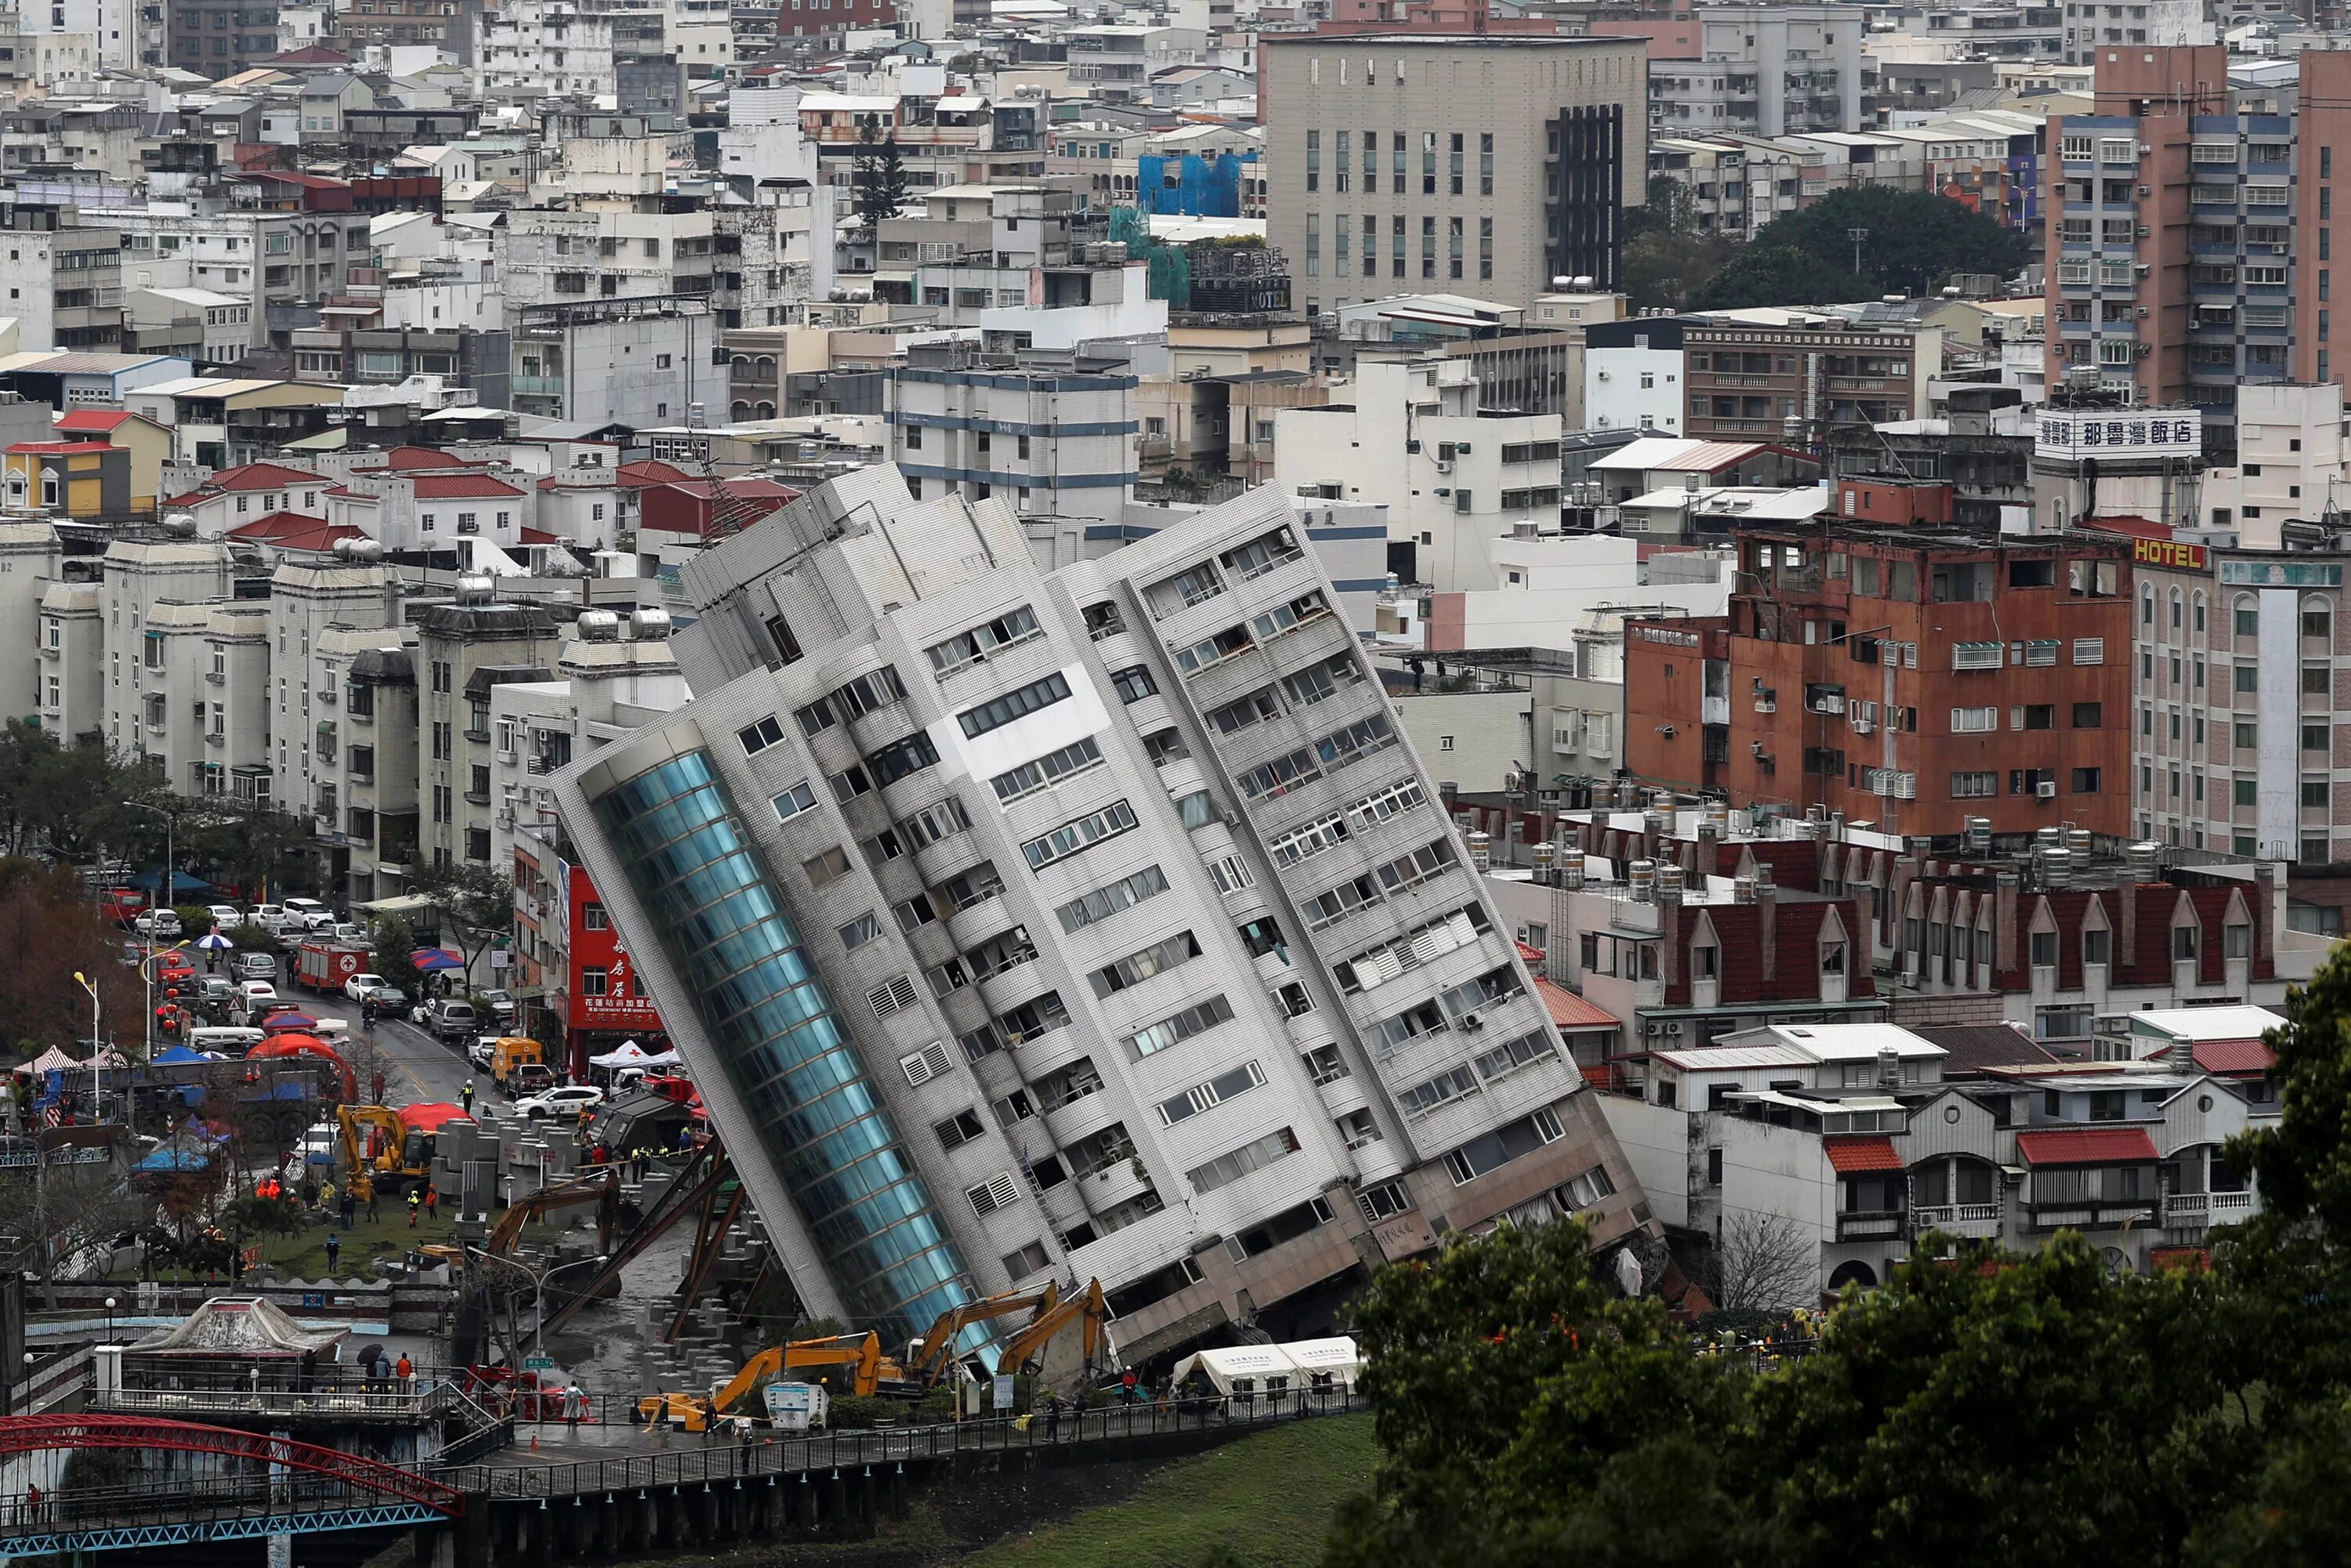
(783, 1048)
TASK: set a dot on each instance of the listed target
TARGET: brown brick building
(1905, 676)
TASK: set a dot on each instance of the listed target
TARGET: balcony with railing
(1974, 1221)
(2197, 1210)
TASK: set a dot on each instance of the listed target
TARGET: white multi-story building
(1034, 871)
(1409, 432)
(2291, 461)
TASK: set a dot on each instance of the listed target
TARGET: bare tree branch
(1763, 1262)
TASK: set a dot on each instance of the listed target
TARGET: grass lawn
(303, 1256)
(1268, 1500)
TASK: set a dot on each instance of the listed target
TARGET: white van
(228, 1040)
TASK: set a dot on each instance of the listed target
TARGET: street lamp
(110, 1320)
(538, 1278)
(170, 825)
(1856, 235)
(96, 1091)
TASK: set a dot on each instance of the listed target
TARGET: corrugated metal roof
(2086, 1146)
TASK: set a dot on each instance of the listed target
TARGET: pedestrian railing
(753, 1452)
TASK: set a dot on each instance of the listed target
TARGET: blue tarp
(178, 1054)
(172, 1158)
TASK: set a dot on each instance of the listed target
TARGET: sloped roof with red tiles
(97, 421)
(2086, 1146)
(414, 459)
(292, 531)
(60, 448)
(538, 537)
(1570, 1011)
(651, 471)
(1850, 1153)
(2250, 1058)
(250, 477)
(458, 486)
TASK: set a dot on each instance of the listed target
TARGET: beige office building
(1484, 165)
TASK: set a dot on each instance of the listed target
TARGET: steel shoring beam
(172, 1532)
(696, 1181)
(708, 1233)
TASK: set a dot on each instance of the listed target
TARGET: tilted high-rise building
(1097, 923)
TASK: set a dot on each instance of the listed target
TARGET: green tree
(394, 941)
(877, 177)
(1779, 275)
(1521, 1405)
(476, 901)
(1915, 239)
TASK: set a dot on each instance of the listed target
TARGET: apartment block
(2192, 247)
(1058, 442)
(1011, 894)
(1910, 677)
(2242, 658)
(1768, 71)
(465, 649)
(1501, 164)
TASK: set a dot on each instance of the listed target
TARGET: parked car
(217, 988)
(254, 965)
(485, 1047)
(560, 1105)
(344, 931)
(158, 922)
(446, 1018)
(309, 913)
(224, 916)
(257, 996)
(268, 916)
(358, 987)
(502, 1006)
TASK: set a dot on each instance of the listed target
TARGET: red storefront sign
(604, 991)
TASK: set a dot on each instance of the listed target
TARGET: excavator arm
(760, 1368)
(1087, 1309)
(602, 1188)
(861, 1354)
(936, 1350)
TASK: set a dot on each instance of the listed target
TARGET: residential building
(1456, 479)
(2238, 654)
(1058, 442)
(1915, 678)
(1501, 161)
(1110, 1018)
(1767, 70)
(463, 650)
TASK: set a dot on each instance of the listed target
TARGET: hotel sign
(2170, 554)
(2125, 436)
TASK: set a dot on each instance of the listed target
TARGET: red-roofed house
(282, 534)
(238, 496)
(683, 509)
(149, 444)
(407, 510)
(408, 460)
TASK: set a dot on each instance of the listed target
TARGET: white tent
(1276, 1372)
(630, 1054)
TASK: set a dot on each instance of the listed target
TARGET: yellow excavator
(931, 1357)
(859, 1367)
(1086, 1309)
(380, 1148)
(844, 1364)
